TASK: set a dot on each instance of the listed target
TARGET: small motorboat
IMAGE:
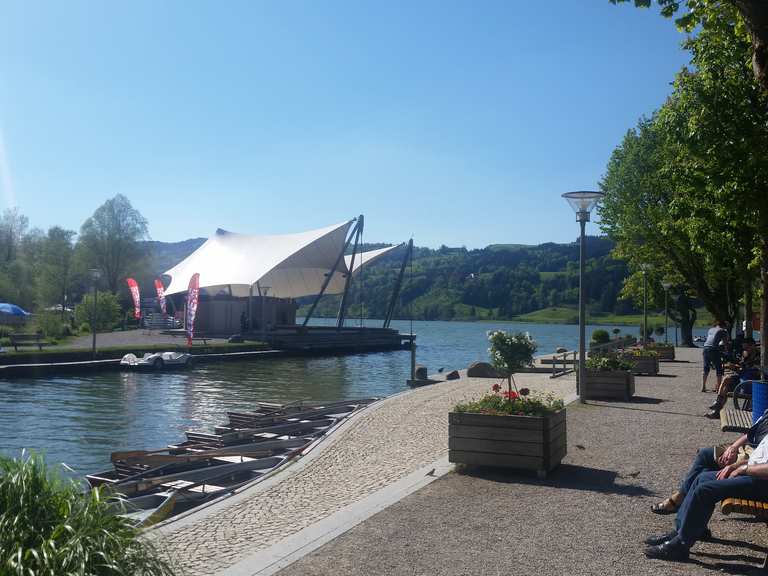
(157, 361)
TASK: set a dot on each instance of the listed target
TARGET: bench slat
(735, 420)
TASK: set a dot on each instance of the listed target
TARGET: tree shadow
(564, 476)
(627, 406)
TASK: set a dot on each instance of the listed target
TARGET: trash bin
(759, 399)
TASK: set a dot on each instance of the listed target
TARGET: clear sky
(458, 122)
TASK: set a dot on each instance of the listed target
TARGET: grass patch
(566, 315)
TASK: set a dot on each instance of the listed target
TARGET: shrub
(48, 526)
(85, 328)
(50, 323)
(108, 312)
(5, 341)
(510, 351)
(616, 332)
(66, 330)
(6, 331)
(601, 336)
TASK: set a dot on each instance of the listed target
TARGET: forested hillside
(497, 282)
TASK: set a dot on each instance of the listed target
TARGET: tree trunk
(748, 307)
(764, 304)
(684, 315)
(755, 13)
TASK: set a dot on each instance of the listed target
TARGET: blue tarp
(12, 309)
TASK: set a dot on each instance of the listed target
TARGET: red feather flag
(193, 292)
(160, 294)
(134, 288)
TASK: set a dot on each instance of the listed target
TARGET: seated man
(746, 369)
(707, 460)
(705, 486)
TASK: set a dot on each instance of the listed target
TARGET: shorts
(712, 358)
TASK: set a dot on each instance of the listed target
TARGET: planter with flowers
(509, 428)
(608, 376)
(665, 351)
(643, 361)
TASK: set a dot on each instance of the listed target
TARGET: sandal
(666, 506)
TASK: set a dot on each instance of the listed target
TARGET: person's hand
(725, 472)
(738, 471)
(728, 456)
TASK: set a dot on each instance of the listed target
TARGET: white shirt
(760, 454)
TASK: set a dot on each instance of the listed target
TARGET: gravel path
(589, 517)
(128, 338)
(390, 441)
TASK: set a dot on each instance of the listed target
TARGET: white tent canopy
(282, 266)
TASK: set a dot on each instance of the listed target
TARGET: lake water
(80, 419)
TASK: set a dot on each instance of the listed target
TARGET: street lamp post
(95, 275)
(666, 285)
(582, 203)
(644, 268)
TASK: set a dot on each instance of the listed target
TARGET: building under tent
(249, 284)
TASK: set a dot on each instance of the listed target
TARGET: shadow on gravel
(646, 400)
(639, 409)
(751, 564)
(568, 476)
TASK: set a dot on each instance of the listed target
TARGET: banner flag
(192, 295)
(160, 294)
(134, 288)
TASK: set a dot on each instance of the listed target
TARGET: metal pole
(93, 321)
(413, 358)
(645, 308)
(582, 312)
(666, 316)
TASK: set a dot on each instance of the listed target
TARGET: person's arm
(732, 452)
(754, 470)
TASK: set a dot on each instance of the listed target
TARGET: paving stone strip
(387, 443)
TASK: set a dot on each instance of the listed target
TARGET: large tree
(109, 240)
(55, 267)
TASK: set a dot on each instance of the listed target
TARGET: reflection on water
(81, 419)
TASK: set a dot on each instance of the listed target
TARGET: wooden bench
(26, 339)
(735, 420)
(755, 508)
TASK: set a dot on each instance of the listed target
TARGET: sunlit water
(80, 419)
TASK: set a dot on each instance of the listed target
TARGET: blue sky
(458, 122)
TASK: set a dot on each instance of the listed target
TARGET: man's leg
(704, 461)
(697, 508)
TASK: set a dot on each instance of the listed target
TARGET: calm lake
(79, 420)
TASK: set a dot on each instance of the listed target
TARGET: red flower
(496, 388)
(511, 395)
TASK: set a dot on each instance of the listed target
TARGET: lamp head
(666, 285)
(582, 202)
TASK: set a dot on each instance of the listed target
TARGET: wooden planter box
(613, 384)
(665, 352)
(644, 365)
(524, 442)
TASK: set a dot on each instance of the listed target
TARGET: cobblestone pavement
(395, 438)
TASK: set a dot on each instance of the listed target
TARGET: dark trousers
(704, 493)
(704, 461)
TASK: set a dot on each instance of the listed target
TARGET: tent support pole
(348, 281)
(398, 285)
(330, 274)
(250, 308)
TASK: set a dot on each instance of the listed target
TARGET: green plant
(607, 362)
(49, 527)
(640, 353)
(601, 336)
(85, 328)
(50, 323)
(5, 341)
(510, 351)
(519, 403)
(616, 332)
(108, 312)
(6, 331)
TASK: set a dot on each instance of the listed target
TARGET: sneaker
(713, 415)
